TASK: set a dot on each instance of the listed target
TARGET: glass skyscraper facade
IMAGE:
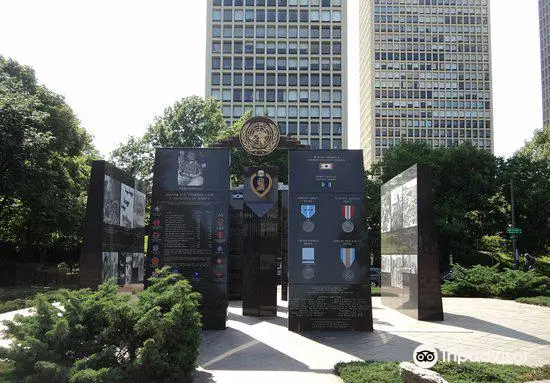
(285, 59)
(544, 15)
(425, 74)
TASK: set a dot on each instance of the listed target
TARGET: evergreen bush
(488, 282)
(101, 336)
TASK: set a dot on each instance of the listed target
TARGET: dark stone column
(261, 241)
(328, 260)
(410, 263)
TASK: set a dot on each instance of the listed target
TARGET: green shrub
(538, 301)
(15, 304)
(106, 337)
(488, 282)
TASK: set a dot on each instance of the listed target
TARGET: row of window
(280, 95)
(428, 132)
(466, 113)
(247, 63)
(427, 76)
(432, 85)
(456, 95)
(279, 31)
(281, 63)
(272, 15)
(325, 143)
(281, 79)
(313, 48)
(390, 56)
(260, 31)
(457, 20)
(396, 9)
(449, 142)
(403, 28)
(325, 113)
(432, 66)
(433, 38)
(260, 47)
(449, 124)
(434, 2)
(457, 47)
(279, 3)
(416, 104)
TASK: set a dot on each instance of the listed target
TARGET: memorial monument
(410, 265)
(113, 247)
(261, 241)
(189, 223)
(328, 263)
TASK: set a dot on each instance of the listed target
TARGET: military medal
(347, 256)
(308, 211)
(348, 211)
(308, 272)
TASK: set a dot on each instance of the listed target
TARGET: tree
(190, 122)
(44, 164)
(532, 201)
(539, 146)
(467, 196)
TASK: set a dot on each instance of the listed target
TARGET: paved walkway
(263, 350)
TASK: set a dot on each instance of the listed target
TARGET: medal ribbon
(308, 211)
(348, 211)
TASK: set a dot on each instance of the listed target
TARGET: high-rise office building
(285, 59)
(425, 74)
(544, 16)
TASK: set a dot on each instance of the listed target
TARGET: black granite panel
(114, 231)
(236, 260)
(284, 244)
(190, 223)
(328, 260)
(410, 270)
(330, 307)
(261, 242)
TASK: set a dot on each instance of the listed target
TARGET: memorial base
(330, 308)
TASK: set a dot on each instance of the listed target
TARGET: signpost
(514, 230)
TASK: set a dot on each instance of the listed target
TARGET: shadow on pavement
(476, 324)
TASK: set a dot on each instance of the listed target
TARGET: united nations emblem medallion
(259, 136)
(261, 183)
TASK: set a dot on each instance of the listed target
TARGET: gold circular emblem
(259, 136)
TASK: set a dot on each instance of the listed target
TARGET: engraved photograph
(190, 169)
(386, 213)
(111, 201)
(410, 204)
(126, 206)
(396, 208)
(139, 209)
(109, 266)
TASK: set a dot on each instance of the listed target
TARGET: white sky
(119, 63)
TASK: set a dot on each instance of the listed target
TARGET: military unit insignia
(261, 183)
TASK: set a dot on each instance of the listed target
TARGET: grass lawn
(539, 301)
(388, 372)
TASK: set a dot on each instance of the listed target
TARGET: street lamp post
(514, 242)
